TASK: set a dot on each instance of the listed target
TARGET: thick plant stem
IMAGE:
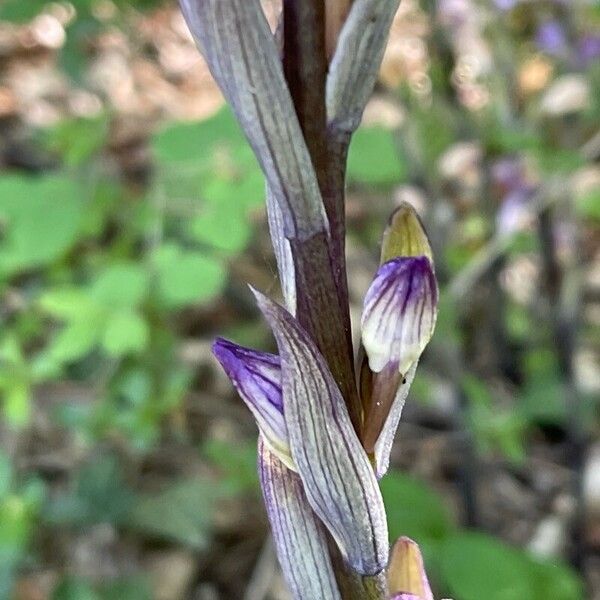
(321, 284)
(353, 586)
(319, 311)
(305, 69)
(319, 262)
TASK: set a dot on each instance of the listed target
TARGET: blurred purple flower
(506, 4)
(588, 49)
(551, 38)
(454, 13)
(514, 213)
(509, 175)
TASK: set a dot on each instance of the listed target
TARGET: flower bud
(399, 313)
(406, 572)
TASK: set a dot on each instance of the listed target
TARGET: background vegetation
(131, 218)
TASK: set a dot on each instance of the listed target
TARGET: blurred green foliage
(95, 275)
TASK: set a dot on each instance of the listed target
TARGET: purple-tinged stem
(320, 273)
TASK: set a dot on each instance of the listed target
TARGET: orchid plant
(326, 419)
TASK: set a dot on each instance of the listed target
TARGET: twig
(563, 288)
(264, 571)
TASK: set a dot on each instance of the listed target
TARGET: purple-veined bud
(257, 378)
(337, 476)
(298, 534)
(399, 314)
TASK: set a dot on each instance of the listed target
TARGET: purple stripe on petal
(399, 312)
(299, 536)
(257, 378)
(338, 479)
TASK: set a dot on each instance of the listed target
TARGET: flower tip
(405, 235)
(264, 303)
(224, 351)
(406, 572)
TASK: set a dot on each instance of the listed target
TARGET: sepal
(355, 64)
(338, 479)
(257, 378)
(298, 534)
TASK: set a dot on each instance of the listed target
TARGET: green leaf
(185, 142)
(77, 140)
(80, 33)
(17, 11)
(40, 217)
(494, 427)
(181, 513)
(17, 406)
(556, 580)
(477, 566)
(73, 588)
(557, 160)
(126, 332)
(121, 285)
(237, 465)
(100, 495)
(374, 158)
(135, 588)
(414, 509)
(223, 225)
(75, 340)
(208, 168)
(542, 395)
(6, 474)
(187, 277)
(68, 304)
(588, 205)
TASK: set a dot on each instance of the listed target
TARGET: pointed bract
(338, 478)
(283, 252)
(241, 52)
(385, 440)
(257, 378)
(299, 536)
(406, 571)
(399, 313)
(355, 64)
